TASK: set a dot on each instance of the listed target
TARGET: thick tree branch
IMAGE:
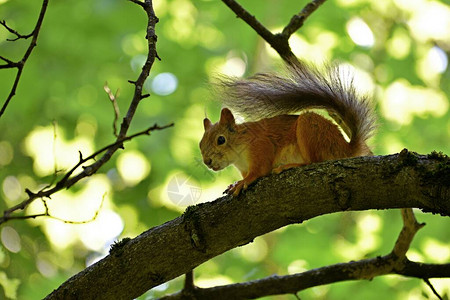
(209, 229)
(20, 64)
(292, 284)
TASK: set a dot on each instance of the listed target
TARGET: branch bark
(278, 41)
(209, 229)
(393, 263)
(292, 284)
(298, 19)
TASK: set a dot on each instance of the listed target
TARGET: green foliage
(61, 107)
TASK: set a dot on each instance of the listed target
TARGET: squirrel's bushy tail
(267, 95)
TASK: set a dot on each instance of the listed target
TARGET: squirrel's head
(218, 146)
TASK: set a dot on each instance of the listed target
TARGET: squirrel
(279, 139)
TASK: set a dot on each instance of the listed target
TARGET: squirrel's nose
(207, 161)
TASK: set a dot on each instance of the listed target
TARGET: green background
(61, 107)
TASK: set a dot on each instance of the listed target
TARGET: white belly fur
(288, 155)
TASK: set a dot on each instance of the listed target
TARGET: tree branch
(67, 181)
(19, 65)
(18, 35)
(300, 18)
(250, 20)
(410, 227)
(393, 263)
(151, 37)
(291, 284)
(203, 231)
(432, 288)
(279, 41)
(113, 98)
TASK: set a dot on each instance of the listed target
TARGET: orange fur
(279, 140)
(272, 144)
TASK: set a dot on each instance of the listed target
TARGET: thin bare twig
(68, 181)
(140, 3)
(55, 162)
(427, 281)
(298, 20)
(20, 64)
(151, 55)
(113, 98)
(9, 64)
(250, 19)
(18, 35)
(47, 213)
(279, 41)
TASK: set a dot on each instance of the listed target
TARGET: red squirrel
(279, 140)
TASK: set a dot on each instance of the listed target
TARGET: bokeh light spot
(403, 101)
(12, 188)
(10, 286)
(234, 66)
(360, 32)
(255, 251)
(436, 251)
(11, 239)
(6, 153)
(132, 166)
(437, 59)
(399, 46)
(164, 84)
(50, 150)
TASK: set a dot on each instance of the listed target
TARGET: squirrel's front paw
(235, 188)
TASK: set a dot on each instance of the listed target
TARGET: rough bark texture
(207, 230)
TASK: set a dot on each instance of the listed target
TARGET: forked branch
(68, 180)
(278, 41)
(393, 263)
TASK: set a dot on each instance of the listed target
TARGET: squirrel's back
(304, 87)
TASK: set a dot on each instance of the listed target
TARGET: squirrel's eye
(220, 140)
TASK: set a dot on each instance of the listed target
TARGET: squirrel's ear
(226, 116)
(206, 123)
